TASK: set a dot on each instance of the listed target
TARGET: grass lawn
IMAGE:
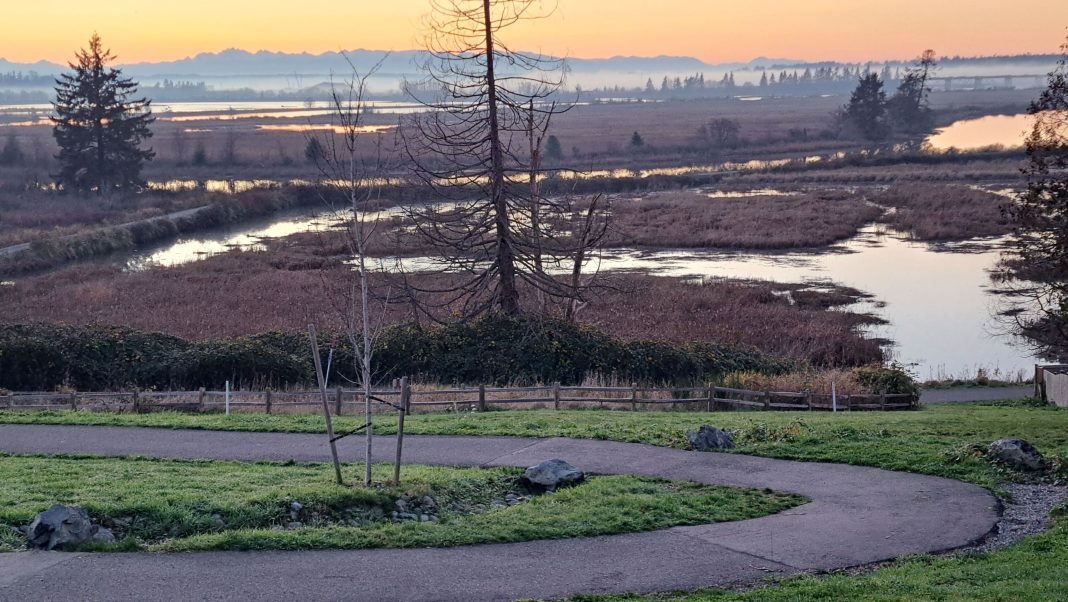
(938, 440)
(168, 505)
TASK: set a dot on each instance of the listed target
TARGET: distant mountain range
(264, 71)
(229, 63)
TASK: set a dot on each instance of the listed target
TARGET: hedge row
(492, 350)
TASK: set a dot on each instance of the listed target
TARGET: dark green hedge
(491, 350)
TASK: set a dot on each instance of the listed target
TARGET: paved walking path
(856, 515)
(974, 394)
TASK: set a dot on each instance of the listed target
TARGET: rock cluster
(710, 438)
(64, 528)
(409, 508)
(1016, 454)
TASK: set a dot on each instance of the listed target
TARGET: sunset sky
(713, 30)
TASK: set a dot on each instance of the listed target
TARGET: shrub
(892, 379)
(492, 350)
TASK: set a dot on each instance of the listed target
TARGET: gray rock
(1016, 454)
(294, 525)
(217, 522)
(710, 438)
(102, 535)
(406, 516)
(424, 518)
(59, 527)
(551, 475)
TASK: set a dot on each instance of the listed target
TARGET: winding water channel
(935, 297)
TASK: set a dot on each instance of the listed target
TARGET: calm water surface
(936, 298)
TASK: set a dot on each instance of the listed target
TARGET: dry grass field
(239, 293)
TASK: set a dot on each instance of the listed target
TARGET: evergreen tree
(553, 150)
(1034, 273)
(866, 111)
(11, 153)
(99, 126)
(909, 110)
(636, 141)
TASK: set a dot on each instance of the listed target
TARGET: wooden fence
(482, 398)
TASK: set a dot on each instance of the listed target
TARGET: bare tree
(479, 147)
(350, 185)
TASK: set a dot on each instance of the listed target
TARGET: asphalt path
(856, 515)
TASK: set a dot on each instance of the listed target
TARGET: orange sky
(713, 30)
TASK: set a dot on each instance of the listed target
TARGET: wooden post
(808, 400)
(405, 399)
(482, 398)
(337, 402)
(74, 401)
(634, 397)
(326, 404)
(711, 392)
(200, 399)
(136, 402)
(767, 400)
(882, 402)
(556, 396)
(267, 399)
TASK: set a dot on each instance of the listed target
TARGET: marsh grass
(243, 293)
(693, 220)
(944, 212)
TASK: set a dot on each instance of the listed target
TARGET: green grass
(172, 505)
(938, 440)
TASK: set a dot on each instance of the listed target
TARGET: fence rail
(482, 398)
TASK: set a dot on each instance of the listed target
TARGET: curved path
(856, 515)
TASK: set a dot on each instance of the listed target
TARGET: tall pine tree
(99, 126)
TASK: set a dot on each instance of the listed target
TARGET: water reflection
(937, 304)
(1008, 131)
(936, 298)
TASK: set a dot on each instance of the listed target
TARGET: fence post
(482, 398)
(711, 393)
(808, 400)
(405, 400)
(267, 397)
(74, 400)
(337, 403)
(200, 399)
(882, 402)
(634, 397)
(767, 400)
(556, 396)
(136, 402)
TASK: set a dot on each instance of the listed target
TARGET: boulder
(710, 438)
(1016, 454)
(102, 535)
(60, 527)
(551, 475)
